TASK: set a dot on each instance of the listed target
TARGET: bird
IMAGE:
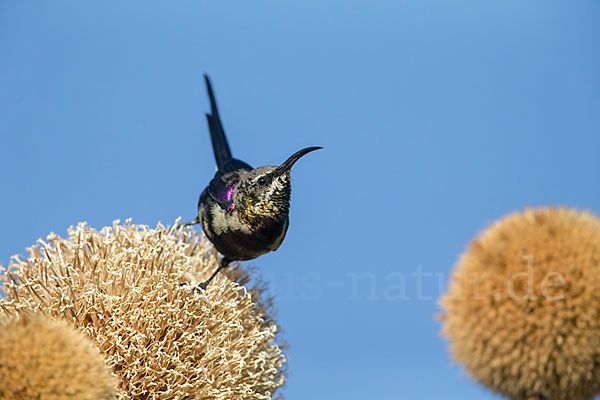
(243, 211)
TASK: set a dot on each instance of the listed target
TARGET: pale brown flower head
(122, 286)
(41, 358)
(522, 311)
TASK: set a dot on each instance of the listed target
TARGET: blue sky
(437, 118)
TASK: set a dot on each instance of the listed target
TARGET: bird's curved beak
(287, 164)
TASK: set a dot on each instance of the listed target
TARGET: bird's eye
(262, 181)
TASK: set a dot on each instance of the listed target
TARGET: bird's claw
(200, 287)
(191, 223)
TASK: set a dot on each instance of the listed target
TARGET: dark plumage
(243, 210)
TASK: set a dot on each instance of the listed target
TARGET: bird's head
(264, 192)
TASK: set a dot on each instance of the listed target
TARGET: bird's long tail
(217, 134)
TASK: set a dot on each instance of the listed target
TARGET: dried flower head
(130, 289)
(41, 358)
(523, 309)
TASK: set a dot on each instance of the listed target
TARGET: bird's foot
(203, 285)
(191, 223)
(200, 287)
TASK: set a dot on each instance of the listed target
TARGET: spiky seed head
(43, 358)
(523, 309)
(130, 288)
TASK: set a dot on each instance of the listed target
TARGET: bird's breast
(237, 239)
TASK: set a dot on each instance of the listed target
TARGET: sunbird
(243, 211)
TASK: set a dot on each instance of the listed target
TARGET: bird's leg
(194, 222)
(224, 262)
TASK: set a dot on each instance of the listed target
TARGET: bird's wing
(215, 127)
(222, 186)
(234, 165)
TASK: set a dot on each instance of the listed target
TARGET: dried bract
(130, 289)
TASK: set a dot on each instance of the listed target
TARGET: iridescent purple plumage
(230, 197)
(230, 192)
